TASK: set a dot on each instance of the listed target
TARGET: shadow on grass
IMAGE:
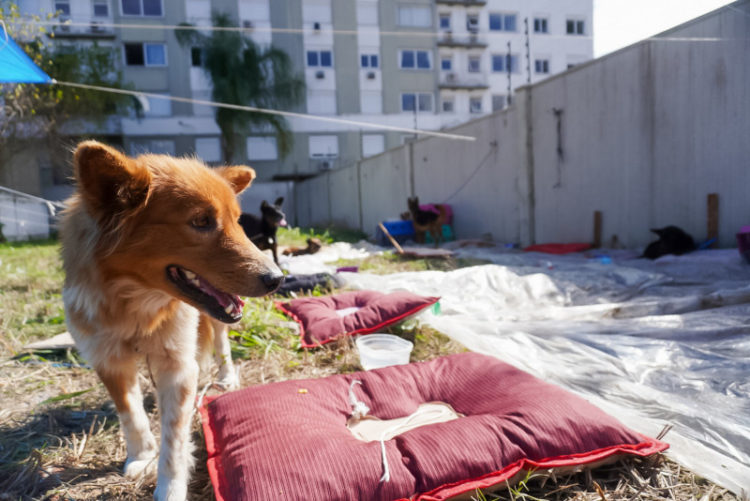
(25, 445)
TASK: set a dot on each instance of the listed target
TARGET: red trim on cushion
(213, 463)
(447, 491)
(365, 330)
(280, 305)
(558, 248)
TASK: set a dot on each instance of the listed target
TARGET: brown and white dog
(152, 250)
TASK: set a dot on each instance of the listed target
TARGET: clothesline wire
(289, 114)
(270, 29)
(322, 31)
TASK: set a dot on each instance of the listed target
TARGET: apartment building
(427, 64)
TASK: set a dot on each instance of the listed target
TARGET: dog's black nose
(272, 280)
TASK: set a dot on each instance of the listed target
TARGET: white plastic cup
(382, 350)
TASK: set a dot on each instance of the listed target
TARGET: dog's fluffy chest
(125, 317)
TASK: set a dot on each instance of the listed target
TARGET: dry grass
(59, 434)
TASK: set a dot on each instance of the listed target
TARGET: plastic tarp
(651, 342)
(15, 65)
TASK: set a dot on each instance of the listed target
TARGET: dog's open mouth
(219, 304)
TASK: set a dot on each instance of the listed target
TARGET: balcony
(468, 81)
(93, 31)
(465, 3)
(470, 41)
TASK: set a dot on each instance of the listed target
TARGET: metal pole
(528, 52)
(508, 65)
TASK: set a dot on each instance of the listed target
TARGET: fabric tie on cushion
(428, 413)
(348, 311)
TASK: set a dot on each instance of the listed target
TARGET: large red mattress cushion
(324, 319)
(290, 440)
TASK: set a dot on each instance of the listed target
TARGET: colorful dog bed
(324, 319)
(290, 440)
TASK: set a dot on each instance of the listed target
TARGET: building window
(101, 8)
(141, 146)
(159, 107)
(369, 60)
(415, 59)
(446, 63)
(540, 25)
(371, 101)
(445, 21)
(372, 144)
(575, 27)
(208, 149)
(323, 146)
(63, 7)
(503, 63)
(262, 148)
(474, 64)
(321, 102)
(475, 105)
(498, 102)
(541, 65)
(448, 105)
(502, 22)
(367, 13)
(145, 54)
(416, 16)
(141, 7)
(422, 101)
(472, 23)
(319, 58)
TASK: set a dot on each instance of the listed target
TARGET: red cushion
(558, 248)
(289, 440)
(320, 324)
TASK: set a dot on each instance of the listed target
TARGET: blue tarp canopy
(15, 65)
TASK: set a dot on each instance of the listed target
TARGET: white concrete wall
(646, 134)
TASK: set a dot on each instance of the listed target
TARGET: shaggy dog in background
(152, 250)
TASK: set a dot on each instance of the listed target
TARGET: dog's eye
(203, 223)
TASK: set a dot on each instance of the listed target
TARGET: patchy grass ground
(59, 434)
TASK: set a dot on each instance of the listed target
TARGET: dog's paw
(228, 380)
(136, 468)
(170, 490)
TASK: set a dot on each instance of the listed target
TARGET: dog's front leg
(176, 377)
(227, 379)
(274, 248)
(121, 380)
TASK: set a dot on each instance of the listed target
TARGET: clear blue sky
(618, 23)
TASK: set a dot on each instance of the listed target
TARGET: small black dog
(672, 240)
(262, 230)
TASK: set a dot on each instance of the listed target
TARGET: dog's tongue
(223, 298)
(282, 222)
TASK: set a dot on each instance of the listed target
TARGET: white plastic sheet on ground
(653, 343)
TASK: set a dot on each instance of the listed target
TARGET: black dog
(672, 240)
(262, 230)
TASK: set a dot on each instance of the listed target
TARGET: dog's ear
(239, 177)
(264, 204)
(279, 201)
(110, 182)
